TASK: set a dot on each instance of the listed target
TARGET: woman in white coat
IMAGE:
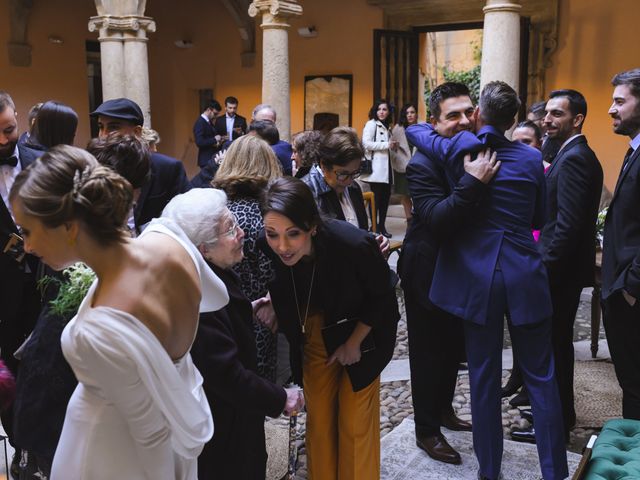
(377, 143)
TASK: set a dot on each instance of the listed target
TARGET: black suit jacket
(205, 137)
(167, 179)
(19, 299)
(621, 249)
(327, 199)
(238, 122)
(439, 210)
(225, 353)
(568, 239)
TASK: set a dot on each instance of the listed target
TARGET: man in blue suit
(493, 267)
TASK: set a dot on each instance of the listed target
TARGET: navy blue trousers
(533, 350)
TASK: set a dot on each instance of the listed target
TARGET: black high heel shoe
(384, 233)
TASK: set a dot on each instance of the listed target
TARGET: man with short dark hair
(204, 134)
(20, 301)
(230, 125)
(167, 176)
(621, 250)
(491, 268)
(440, 208)
(574, 185)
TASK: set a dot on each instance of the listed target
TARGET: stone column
(123, 31)
(501, 43)
(275, 57)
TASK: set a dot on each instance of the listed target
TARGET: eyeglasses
(232, 230)
(342, 176)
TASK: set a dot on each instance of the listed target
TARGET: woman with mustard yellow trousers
(334, 296)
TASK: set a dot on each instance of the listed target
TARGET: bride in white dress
(139, 411)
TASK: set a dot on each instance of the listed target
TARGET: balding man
(282, 149)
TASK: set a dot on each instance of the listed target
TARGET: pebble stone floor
(395, 397)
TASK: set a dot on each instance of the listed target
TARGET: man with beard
(440, 207)
(574, 184)
(20, 301)
(621, 251)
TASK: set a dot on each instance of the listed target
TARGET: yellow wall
(596, 40)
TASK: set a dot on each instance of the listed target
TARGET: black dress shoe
(384, 233)
(450, 421)
(527, 414)
(510, 388)
(439, 449)
(521, 399)
(524, 435)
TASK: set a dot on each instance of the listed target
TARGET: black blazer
(205, 137)
(568, 239)
(327, 199)
(621, 249)
(225, 353)
(20, 301)
(167, 179)
(238, 122)
(352, 279)
(439, 210)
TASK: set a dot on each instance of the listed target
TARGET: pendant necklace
(295, 294)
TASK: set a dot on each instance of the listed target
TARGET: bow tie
(12, 161)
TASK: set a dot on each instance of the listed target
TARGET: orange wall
(596, 40)
(57, 72)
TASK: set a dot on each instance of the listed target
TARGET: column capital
(493, 6)
(111, 25)
(275, 12)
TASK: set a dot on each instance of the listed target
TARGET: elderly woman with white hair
(224, 349)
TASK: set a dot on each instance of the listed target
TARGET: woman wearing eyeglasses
(224, 349)
(332, 180)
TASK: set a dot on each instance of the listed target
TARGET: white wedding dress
(135, 414)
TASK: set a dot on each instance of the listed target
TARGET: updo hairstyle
(340, 147)
(66, 184)
(128, 155)
(291, 197)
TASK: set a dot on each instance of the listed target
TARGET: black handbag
(366, 166)
(338, 333)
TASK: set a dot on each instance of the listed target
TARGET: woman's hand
(265, 314)
(347, 354)
(295, 401)
(383, 244)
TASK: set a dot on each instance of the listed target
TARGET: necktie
(626, 158)
(12, 161)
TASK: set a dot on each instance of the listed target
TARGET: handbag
(338, 333)
(366, 166)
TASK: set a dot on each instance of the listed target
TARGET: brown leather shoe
(439, 449)
(454, 423)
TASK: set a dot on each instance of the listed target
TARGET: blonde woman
(249, 164)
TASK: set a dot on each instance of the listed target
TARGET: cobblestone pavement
(395, 397)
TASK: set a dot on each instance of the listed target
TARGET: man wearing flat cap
(167, 177)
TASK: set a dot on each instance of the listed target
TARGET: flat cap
(122, 108)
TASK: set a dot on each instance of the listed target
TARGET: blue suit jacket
(498, 236)
(283, 151)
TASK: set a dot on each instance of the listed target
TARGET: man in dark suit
(440, 208)
(492, 268)
(167, 177)
(567, 241)
(204, 134)
(230, 125)
(621, 250)
(20, 302)
(282, 149)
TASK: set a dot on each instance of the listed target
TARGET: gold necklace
(295, 294)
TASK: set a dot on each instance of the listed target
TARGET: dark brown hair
(67, 183)
(291, 197)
